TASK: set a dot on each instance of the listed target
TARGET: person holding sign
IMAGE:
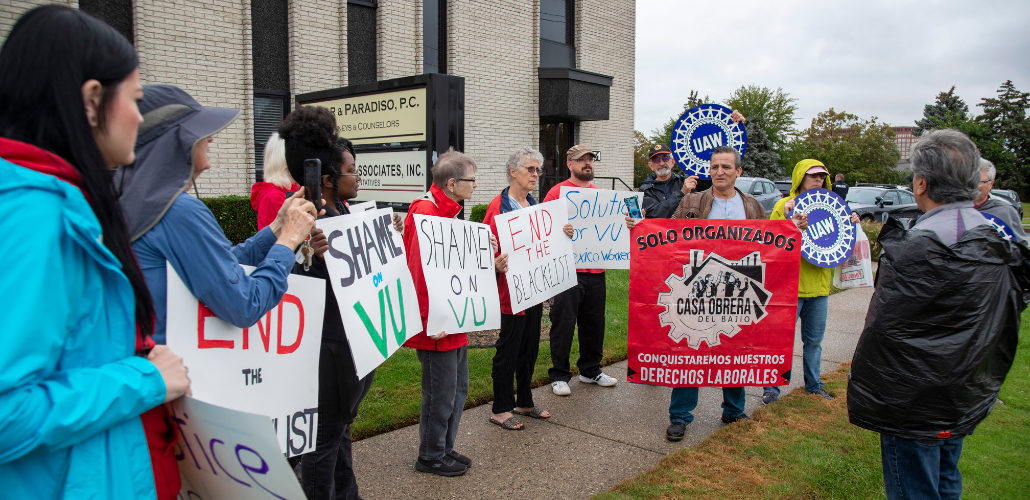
(664, 189)
(443, 355)
(814, 284)
(583, 303)
(519, 342)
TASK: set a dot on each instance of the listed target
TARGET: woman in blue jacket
(74, 377)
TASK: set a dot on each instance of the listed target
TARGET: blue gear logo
(1001, 226)
(699, 131)
(830, 237)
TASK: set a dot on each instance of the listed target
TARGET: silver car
(762, 189)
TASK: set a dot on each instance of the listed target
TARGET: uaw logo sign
(1001, 226)
(714, 296)
(830, 236)
(699, 131)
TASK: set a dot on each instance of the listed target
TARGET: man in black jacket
(663, 190)
(840, 187)
(937, 344)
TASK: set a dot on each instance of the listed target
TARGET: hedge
(234, 213)
(478, 213)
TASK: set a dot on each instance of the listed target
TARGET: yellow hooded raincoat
(815, 280)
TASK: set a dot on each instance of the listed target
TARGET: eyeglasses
(660, 159)
(985, 182)
(533, 170)
(466, 180)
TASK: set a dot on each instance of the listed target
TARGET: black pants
(517, 348)
(328, 472)
(583, 303)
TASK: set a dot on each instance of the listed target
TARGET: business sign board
(381, 117)
(392, 176)
(699, 131)
(600, 238)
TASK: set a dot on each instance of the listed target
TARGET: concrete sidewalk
(596, 437)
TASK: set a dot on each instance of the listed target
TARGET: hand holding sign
(173, 372)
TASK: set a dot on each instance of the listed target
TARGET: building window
(362, 64)
(557, 34)
(270, 42)
(434, 36)
(270, 107)
(555, 141)
(117, 13)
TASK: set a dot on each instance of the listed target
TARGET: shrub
(872, 231)
(478, 213)
(234, 213)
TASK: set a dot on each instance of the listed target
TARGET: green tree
(1006, 117)
(640, 168)
(663, 134)
(776, 107)
(762, 157)
(947, 108)
(862, 150)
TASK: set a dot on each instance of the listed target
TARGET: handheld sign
(714, 303)
(458, 265)
(600, 240)
(270, 369)
(541, 261)
(1003, 228)
(363, 206)
(224, 453)
(700, 130)
(370, 278)
(830, 236)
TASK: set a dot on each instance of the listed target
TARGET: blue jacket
(71, 389)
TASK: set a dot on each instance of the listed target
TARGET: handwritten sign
(601, 240)
(270, 368)
(374, 289)
(541, 260)
(457, 253)
(224, 453)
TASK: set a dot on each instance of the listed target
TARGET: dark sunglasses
(659, 159)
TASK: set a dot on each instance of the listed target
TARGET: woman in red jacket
(268, 197)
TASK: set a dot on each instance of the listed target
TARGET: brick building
(905, 140)
(544, 73)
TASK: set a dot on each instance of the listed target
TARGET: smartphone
(313, 182)
(634, 207)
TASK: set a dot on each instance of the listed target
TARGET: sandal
(509, 424)
(536, 412)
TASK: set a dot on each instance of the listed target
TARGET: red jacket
(553, 194)
(266, 199)
(437, 204)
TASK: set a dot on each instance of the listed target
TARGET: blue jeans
(921, 469)
(812, 313)
(684, 400)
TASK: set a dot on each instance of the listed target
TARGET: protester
(582, 304)
(664, 189)
(987, 202)
(813, 285)
(519, 340)
(840, 187)
(77, 309)
(942, 326)
(170, 226)
(443, 355)
(721, 201)
(328, 472)
(268, 197)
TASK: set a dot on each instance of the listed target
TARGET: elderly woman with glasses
(519, 340)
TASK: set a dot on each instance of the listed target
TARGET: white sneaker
(561, 388)
(602, 380)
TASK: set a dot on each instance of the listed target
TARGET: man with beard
(663, 190)
(583, 303)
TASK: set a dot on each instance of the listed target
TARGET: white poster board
(541, 261)
(369, 274)
(458, 265)
(601, 240)
(269, 369)
(363, 206)
(228, 454)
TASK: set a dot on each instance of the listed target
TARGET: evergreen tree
(761, 159)
(948, 107)
(776, 107)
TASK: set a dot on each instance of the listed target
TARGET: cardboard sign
(830, 236)
(270, 368)
(699, 131)
(601, 240)
(363, 206)
(370, 277)
(541, 261)
(224, 453)
(458, 253)
(713, 303)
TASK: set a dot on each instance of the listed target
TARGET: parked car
(1011, 197)
(878, 204)
(783, 185)
(762, 189)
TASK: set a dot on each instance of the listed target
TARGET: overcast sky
(870, 57)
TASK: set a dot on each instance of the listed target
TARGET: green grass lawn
(804, 447)
(394, 399)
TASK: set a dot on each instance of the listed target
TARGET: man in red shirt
(582, 304)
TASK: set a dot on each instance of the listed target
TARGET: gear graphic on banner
(699, 131)
(714, 296)
(830, 237)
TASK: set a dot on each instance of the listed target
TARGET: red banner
(712, 302)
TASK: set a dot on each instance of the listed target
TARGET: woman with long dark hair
(77, 367)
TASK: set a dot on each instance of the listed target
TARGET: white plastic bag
(857, 271)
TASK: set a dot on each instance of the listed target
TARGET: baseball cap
(578, 151)
(658, 148)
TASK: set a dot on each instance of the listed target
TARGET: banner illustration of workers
(600, 240)
(373, 286)
(715, 304)
(458, 263)
(541, 261)
(270, 368)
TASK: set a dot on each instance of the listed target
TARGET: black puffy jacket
(940, 334)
